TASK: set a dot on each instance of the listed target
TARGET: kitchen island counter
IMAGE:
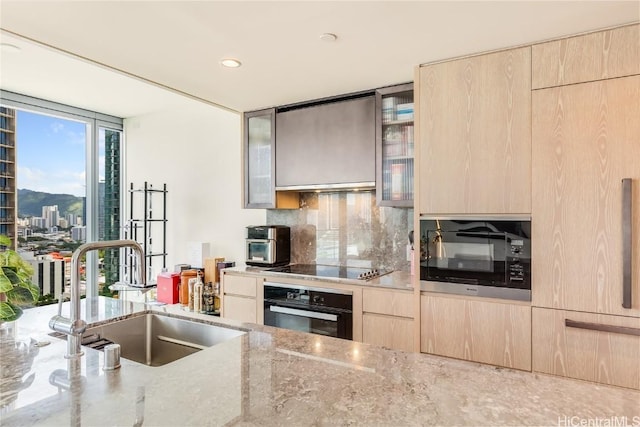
(279, 377)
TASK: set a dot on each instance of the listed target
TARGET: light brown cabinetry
(475, 135)
(490, 332)
(567, 343)
(596, 56)
(387, 318)
(585, 270)
(242, 298)
(586, 139)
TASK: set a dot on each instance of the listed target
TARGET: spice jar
(184, 285)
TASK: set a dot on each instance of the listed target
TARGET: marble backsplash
(346, 228)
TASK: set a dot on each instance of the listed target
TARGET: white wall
(196, 151)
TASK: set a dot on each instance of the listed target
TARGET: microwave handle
(627, 242)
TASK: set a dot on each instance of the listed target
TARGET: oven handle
(304, 313)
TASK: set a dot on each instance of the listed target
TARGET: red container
(168, 287)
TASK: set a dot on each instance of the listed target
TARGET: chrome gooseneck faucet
(73, 326)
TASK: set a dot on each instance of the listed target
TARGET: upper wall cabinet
(394, 146)
(475, 135)
(259, 163)
(259, 160)
(596, 56)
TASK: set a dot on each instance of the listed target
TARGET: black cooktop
(336, 271)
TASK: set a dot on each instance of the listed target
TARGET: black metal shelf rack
(139, 227)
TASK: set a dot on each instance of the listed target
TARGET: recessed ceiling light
(7, 47)
(328, 37)
(230, 62)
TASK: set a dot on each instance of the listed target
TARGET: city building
(109, 202)
(51, 216)
(8, 199)
(50, 273)
(79, 233)
(37, 222)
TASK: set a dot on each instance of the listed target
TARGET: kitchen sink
(156, 339)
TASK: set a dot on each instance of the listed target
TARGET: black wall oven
(316, 310)
(482, 257)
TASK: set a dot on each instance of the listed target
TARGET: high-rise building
(8, 196)
(51, 216)
(101, 211)
(110, 204)
(73, 219)
(49, 275)
(37, 222)
(79, 233)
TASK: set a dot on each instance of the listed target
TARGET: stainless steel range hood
(328, 145)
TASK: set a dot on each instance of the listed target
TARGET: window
(93, 193)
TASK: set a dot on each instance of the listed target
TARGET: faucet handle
(60, 300)
(65, 325)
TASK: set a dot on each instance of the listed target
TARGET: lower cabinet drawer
(588, 346)
(239, 285)
(480, 331)
(240, 308)
(385, 301)
(388, 331)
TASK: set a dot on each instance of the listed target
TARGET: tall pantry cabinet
(585, 218)
(474, 160)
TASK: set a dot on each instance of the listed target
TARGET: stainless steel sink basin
(156, 339)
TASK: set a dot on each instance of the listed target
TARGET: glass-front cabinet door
(259, 159)
(395, 146)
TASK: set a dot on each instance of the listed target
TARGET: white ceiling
(178, 45)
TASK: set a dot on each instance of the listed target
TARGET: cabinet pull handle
(626, 242)
(626, 330)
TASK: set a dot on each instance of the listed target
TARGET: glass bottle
(208, 299)
(198, 289)
(216, 297)
(191, 285)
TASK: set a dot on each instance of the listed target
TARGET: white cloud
(58, 182)
(76, 138)
(57, 127)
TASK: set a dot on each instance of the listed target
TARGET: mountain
(30, 203)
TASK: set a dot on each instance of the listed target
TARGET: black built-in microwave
(481, 257)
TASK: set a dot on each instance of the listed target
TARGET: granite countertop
(277, 377)
(394, 280)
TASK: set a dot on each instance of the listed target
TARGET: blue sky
(51, 154)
